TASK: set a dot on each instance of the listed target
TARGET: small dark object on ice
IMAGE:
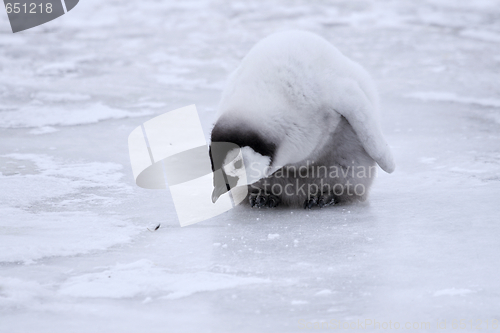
(156, 228)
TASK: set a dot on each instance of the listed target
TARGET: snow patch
(483, 35)
(323, 292)
(16, 293)
(143, 278)
(34, 116)
(299, 302)
(32, 224)
(452, 97)
(494, 116)
(149, 104)
(57, 69)
(61, 97)
(48, 179)
(28, 236)
(427, 160)
(43, 130)
(453, 292)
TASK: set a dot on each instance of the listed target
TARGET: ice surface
(143, 278)
(45, 208)
(42, 116)
(77, 248)
(452, 97)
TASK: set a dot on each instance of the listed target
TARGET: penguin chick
(304, 117)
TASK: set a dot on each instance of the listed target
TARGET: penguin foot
(326, 200)
(263, 200)
(311, 202)
(321, 201)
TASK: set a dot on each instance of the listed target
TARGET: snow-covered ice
(78, 249)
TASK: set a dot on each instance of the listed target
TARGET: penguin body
(296, 103)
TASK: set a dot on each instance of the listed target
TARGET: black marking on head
(225, 138)
(243, 137)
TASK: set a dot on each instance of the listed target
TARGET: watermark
(299, 188)
(26, 14)
(455, 324)
(311, 180)
(171, 150)
(309, 170)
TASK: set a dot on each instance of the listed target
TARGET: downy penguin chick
(305, 118)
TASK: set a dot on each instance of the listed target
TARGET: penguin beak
(220, 185)
(218, 191)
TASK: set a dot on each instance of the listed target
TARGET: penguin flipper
(352, 103)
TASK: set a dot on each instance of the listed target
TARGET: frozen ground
(75, 251)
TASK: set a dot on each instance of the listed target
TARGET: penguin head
(239, 155)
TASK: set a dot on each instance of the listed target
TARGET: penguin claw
(311, 202)
(252, 200)
(262, 200)
(273, 201)
(326, 200)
